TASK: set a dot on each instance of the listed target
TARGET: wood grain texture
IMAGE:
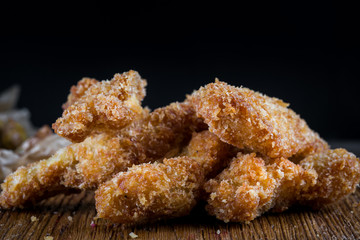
(337, 221)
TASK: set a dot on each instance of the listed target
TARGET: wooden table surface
(71, 217)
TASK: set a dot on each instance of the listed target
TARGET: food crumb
(69, 218)
(92, 224)
(34, 219)
(218, 232)
(133, 235)
(48, 238)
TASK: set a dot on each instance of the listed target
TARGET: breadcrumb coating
(249, 187)
(162, 134)
(34, 182)
(251, 120)
(78, 91)
(210, 152)
(98, 107)
(149, 192)
(86, 165)
(148, 166)
(338, 175)
(31, 183)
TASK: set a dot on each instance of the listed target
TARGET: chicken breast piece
(86, 165)
(249, 187)
(149, 192)
(100, 107)
(250, 120)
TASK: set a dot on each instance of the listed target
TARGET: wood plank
(337, 221)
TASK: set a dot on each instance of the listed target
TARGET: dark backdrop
(304, 53)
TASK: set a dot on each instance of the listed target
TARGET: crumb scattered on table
(92, 224)
(133, 235)
(70, 218)
(34, 219)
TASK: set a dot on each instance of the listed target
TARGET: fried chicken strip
(149, 192)
(249, 187)
(42, 179)
(87, 164)
(338, 175)
(98, 107)
(162, 133)
(250, 120)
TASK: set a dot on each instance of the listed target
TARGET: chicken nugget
(86, 165)
(99, 107)
(338, 175)
(149, 192)
(251, 120)
(249, 187)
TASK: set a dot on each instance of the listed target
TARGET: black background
(304, 53)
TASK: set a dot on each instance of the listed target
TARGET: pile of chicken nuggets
(242, 152)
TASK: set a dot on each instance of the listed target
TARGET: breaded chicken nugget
(149, 192)
(42, 179)
(338, 175)
(250, 120)
(210, 152)
(249, 188)
(99, 107)
(85, 165)
(163, 133)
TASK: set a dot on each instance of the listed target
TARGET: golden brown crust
(80, 165)
(87, 164)
(76, 92)
(249, 187)
(149, 192)
(210, 152)
(99, 107)
(163, 133)
(338, 175)
(116, 134)
(141, 194)
(94, 161)
(250, 120)
(29, 184)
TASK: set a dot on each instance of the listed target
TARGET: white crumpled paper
(41, 145)
(8, 159)
(33, 149)
(9, 98)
